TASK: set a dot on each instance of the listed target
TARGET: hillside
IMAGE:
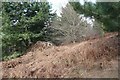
(94, 58)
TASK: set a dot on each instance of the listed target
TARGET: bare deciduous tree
(72, 27)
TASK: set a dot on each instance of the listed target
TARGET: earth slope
(96, 58)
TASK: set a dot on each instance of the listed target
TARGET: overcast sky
(58, 4)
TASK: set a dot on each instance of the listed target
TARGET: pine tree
(106, 13)
(22, 25)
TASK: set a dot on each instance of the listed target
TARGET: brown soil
(96, 58)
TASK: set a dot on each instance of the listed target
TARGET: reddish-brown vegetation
(93, 58)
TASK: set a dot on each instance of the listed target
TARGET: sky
(58, 4)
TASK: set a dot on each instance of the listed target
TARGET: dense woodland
(25, 23)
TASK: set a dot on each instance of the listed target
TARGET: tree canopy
(22, 24)
(107, 13)
(71, 27)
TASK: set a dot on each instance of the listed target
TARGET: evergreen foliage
(105, 12)
(22, 25)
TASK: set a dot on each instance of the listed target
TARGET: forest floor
(96, 58)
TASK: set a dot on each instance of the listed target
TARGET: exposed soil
(96, 58)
